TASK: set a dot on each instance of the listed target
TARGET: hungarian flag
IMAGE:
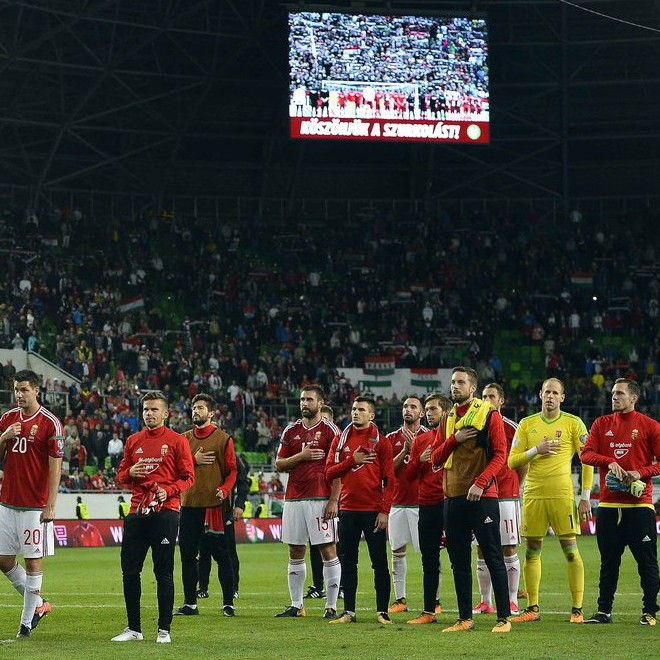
(131, 304)
(426, 378)
(582, 279)
(379, 365)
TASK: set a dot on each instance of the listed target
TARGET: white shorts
(510, 522)
(21, 533)
(403, 527)
(302, 521)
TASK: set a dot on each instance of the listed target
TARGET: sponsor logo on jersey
(609, 434)
(139, 450)
(488, 520)
(164, 542)
(646, 539)
(620, 453)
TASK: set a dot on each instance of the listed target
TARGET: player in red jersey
(508, 488)
(404, 516)
(626, 447)
(310, 508)
(431, 499)
(362, 459)
(158, 466)
(87, 535)
(32, 445)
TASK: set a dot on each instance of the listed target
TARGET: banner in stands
(100, 533)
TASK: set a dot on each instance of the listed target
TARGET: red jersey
(27, 468)
(87, 536)
(633, 441)
(508, 483)
(430, 478)
(171, 464)
(406, 482)
(307, 479)
(366, 487)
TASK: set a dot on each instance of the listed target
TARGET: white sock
(483, 576)
(332, 579)
(32, 597)
(16, 576)
(399, 570)
(513, 576)
(191, 606)
(297, 577)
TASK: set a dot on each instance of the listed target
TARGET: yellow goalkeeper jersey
(549, 476)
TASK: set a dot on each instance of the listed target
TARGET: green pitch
(84, 586)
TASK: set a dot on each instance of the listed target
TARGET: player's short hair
(368, 400)
(206, 398)
(328, 411)
(414, 396)
(154, 395)
(471, 374)
(26, 375)
(498, 387)
(561, 383)
(633, 386)
(443, 400)
(317, 389)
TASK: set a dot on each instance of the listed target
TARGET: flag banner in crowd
(582, 279)
(131, 304)
(379, 366)
(426, 378)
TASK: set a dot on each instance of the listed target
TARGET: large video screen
(385, 77)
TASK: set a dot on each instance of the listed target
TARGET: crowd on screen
(259, 319)
(432, 68)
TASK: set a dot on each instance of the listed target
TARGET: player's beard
(308, 413)
(200, 421)
(460, 399)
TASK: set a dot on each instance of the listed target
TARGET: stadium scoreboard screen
(388, 77)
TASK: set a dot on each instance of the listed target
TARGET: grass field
(84, 586)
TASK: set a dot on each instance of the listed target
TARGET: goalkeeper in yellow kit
(547, 442)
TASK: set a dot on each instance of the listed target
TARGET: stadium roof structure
(173, 98)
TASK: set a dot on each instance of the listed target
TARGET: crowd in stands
(251, 313)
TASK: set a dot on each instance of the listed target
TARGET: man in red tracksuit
(362, 459)
(157, 466)
(625, 446)
(472, 450)
(431, 499)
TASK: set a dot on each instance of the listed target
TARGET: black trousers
(430, 526)
(191, 532)
(316, 561)
(635, 528)
(204, 564)
(462, 518)
(157, 532)
(351, 526)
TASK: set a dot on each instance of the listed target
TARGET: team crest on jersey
(620, 453)
(634, 434)
(557, 434)
(33, 430)
(163, 450)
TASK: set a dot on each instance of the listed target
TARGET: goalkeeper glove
(636, 488)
